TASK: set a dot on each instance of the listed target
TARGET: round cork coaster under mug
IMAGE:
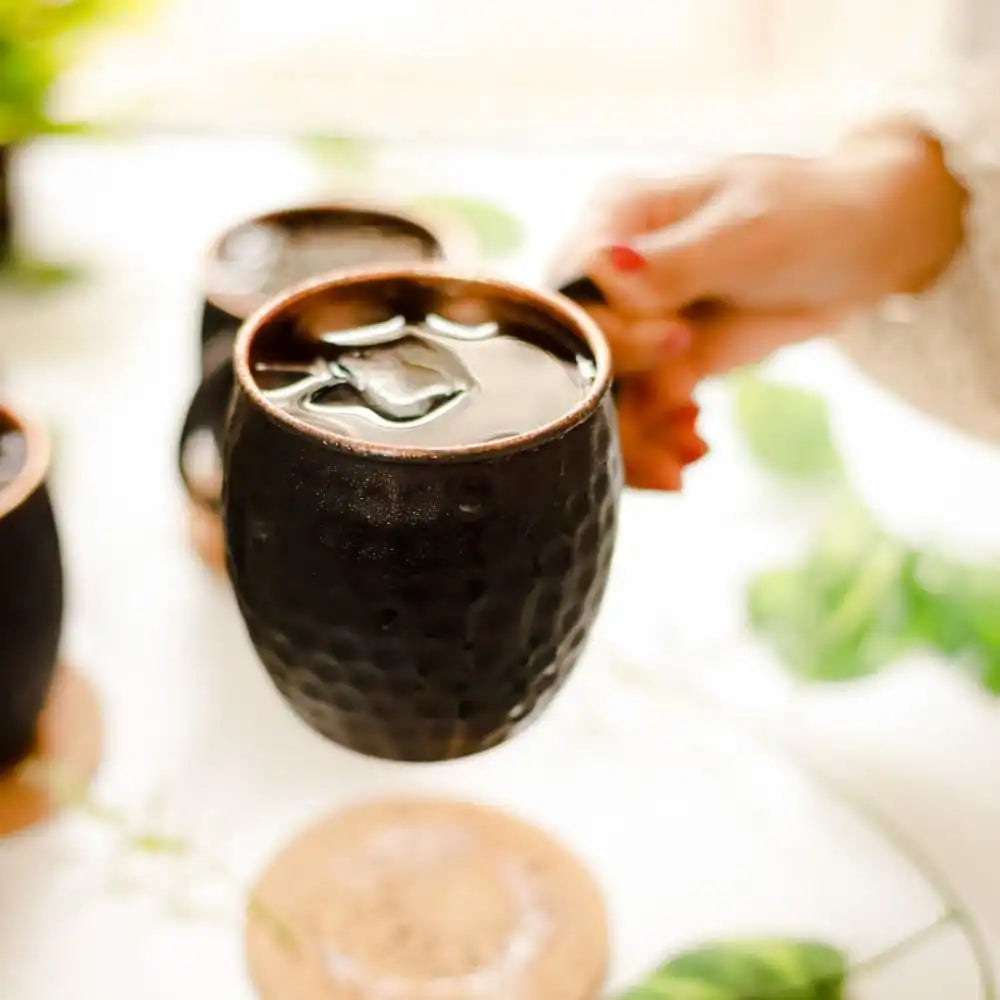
(426, 898)
(67, 751)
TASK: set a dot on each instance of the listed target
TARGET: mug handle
(582, 290)
(217, 327)
(205, 413)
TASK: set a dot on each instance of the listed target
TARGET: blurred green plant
(499, 233)
(844, 611)
(349, 153)
(786, 429)
(39, 39)
(860, 598)
(954, 608)
(496, 230)
(748, 970)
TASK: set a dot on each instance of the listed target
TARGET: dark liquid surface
(262, 258)
(13, 452)
(428, 375)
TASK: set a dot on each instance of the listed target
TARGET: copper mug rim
(452, 240)
(569, 315)
(36, 461)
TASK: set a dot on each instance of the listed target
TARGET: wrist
(910, 207)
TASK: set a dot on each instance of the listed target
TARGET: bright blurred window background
(637, 72)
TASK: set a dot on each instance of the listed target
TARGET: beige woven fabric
(941, 350)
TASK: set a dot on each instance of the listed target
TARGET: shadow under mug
(202, 435)
(420, 604)
(31, 587)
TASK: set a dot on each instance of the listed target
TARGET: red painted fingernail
(624, 258)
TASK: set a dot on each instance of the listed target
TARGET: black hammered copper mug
(31, 585)
(419, 603)
(260, 257)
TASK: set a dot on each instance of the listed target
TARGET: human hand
(718, 269)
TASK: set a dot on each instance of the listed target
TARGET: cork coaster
(68, 741)
(418, 899)
(208, 537)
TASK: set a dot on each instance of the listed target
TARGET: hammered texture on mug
(31, 606)
(419, 610)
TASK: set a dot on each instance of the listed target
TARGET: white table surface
(669, 763)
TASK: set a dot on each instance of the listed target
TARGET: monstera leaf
(766, 969)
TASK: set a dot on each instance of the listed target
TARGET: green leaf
(26, 76)
(28, 274)
(767, 969)
(38, 41)
(74, 128)
(346, 152)
(845, 611)
(499, 233)
(45, 21)
(955, 610)
(786, 429)
(861, 598)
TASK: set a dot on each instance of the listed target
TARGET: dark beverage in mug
(417, 378)
(421, 489)
(30, 586)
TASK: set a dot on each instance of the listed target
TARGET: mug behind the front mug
(31, 586)
(263, 256)
(258, 258)
(418, 543)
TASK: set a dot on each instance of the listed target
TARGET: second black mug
(31, 585)
(250, 263)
